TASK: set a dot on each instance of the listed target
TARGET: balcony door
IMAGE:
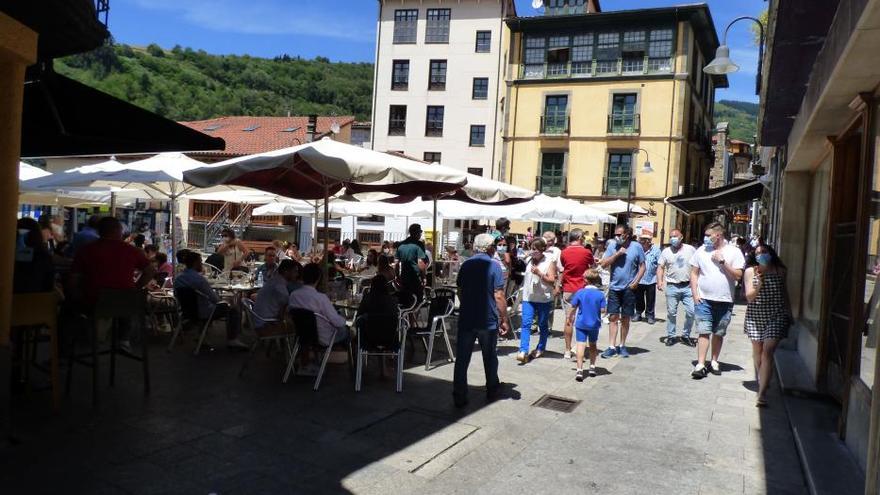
(555, 114)
(623, 113)
(552, 179)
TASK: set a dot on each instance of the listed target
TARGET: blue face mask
(707, 242)
(675, 241)
(763, 259)
(502, 249)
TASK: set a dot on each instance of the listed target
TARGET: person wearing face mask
(626, 261)
(674, 278)
(767, 314)
(715, 268)
(538, 284)
(233, 250)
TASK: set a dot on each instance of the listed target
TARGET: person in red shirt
(573, 262)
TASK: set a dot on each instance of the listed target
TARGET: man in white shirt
(674, 278)
(308, 297)
(715, 269)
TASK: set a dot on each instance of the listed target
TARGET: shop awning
(63, 117)
(716, 199)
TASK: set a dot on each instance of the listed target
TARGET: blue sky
(344, 30)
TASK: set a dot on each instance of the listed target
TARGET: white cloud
(265, 17)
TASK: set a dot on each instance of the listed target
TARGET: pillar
(18, 49)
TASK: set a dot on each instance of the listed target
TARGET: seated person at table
(379, 300)
(385, 267)
(308, 297)
(268, 268)
(109, 263)
(34, 271)
(207, 299)
(271, 300)
(371, 264)
(150, 250)
(332, 269)
(280, 252)
(164, 270)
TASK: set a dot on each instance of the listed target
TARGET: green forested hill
(742, 117)
(184, 84)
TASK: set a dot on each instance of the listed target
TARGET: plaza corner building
(592, 95)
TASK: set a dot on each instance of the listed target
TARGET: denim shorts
(622, 302)
(585, 334)
(713, 317)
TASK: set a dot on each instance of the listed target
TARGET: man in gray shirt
(673, 277)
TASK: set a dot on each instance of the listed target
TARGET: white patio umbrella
(555, 209)
(71, 198)
(320, 169)
(617, 206)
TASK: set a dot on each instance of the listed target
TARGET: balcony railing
(616, 187)
(555, 125)
(624, 123)
(597, 68)
(551, 185)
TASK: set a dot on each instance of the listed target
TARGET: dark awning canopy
(716, 199)
(65, 118)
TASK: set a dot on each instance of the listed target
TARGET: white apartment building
(437, 92)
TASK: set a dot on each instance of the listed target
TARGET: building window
(437, 80)
(437, 30)
(535, 56)
(623, 118)
(555, 118)
(484, 41)
(400, 75)
(607, 52)
(432, 156)
(478, 135)
(558, 55)
(633, 52)
(397, 120)
(475, 171)
(481, 88)
(617, 181)
(405, 23)
(582, 54)
(434, 122)
(660, 51)
(552, 179)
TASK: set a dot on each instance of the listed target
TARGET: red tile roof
(264, 134)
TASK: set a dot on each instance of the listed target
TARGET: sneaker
(670, 341)
(651, 320)
(637, 318)
(236, 345)
(535, 354)
(623, 352)
(522, 357)
(608, 352)
(687, 341)
(579, 376)
(592, 372)
(699, 372)
(567, 355)
(715, 368)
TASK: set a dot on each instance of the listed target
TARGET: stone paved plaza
(643, 426)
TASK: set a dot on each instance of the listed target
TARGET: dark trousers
(464, 347)
(233, 319)
(646, 297)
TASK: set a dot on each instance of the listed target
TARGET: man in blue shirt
(87, 235)
(482, 316)
(626, 261)
(646, 293)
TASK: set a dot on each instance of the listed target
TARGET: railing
(242, 221)
(216, 225)
(555, 124)
(204, 211)
(551, 185)
(624, 123)
(597, 68)
(616, 188)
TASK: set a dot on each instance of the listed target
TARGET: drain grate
(556, 403)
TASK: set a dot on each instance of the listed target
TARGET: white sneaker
(567, 355)
(522, 357)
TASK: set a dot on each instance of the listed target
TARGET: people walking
(674, 278)
(588, 304)
(482, 317)
(646, 292)
(626, 261)
(574, 260)
(537, 299)
(716, 266)
(767, 314)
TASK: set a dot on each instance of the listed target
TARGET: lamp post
(646, 169)
(722, 64)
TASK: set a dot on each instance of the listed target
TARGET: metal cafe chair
(305, 323)
(272, 330)
(114, 305)
(188, 299)
(34, 312)
(380, 335)
(440, 307)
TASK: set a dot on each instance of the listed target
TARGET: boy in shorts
(589, 304)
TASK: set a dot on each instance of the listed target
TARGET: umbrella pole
(173, 233)
(434, 239)
(326, 236)
(113, 204)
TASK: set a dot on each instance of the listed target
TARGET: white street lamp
(722, 64)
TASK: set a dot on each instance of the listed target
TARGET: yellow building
(592, 95)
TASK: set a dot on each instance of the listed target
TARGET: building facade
(818, 123)
(437, 83)
(591, 96)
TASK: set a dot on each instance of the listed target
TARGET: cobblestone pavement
(643, 426)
